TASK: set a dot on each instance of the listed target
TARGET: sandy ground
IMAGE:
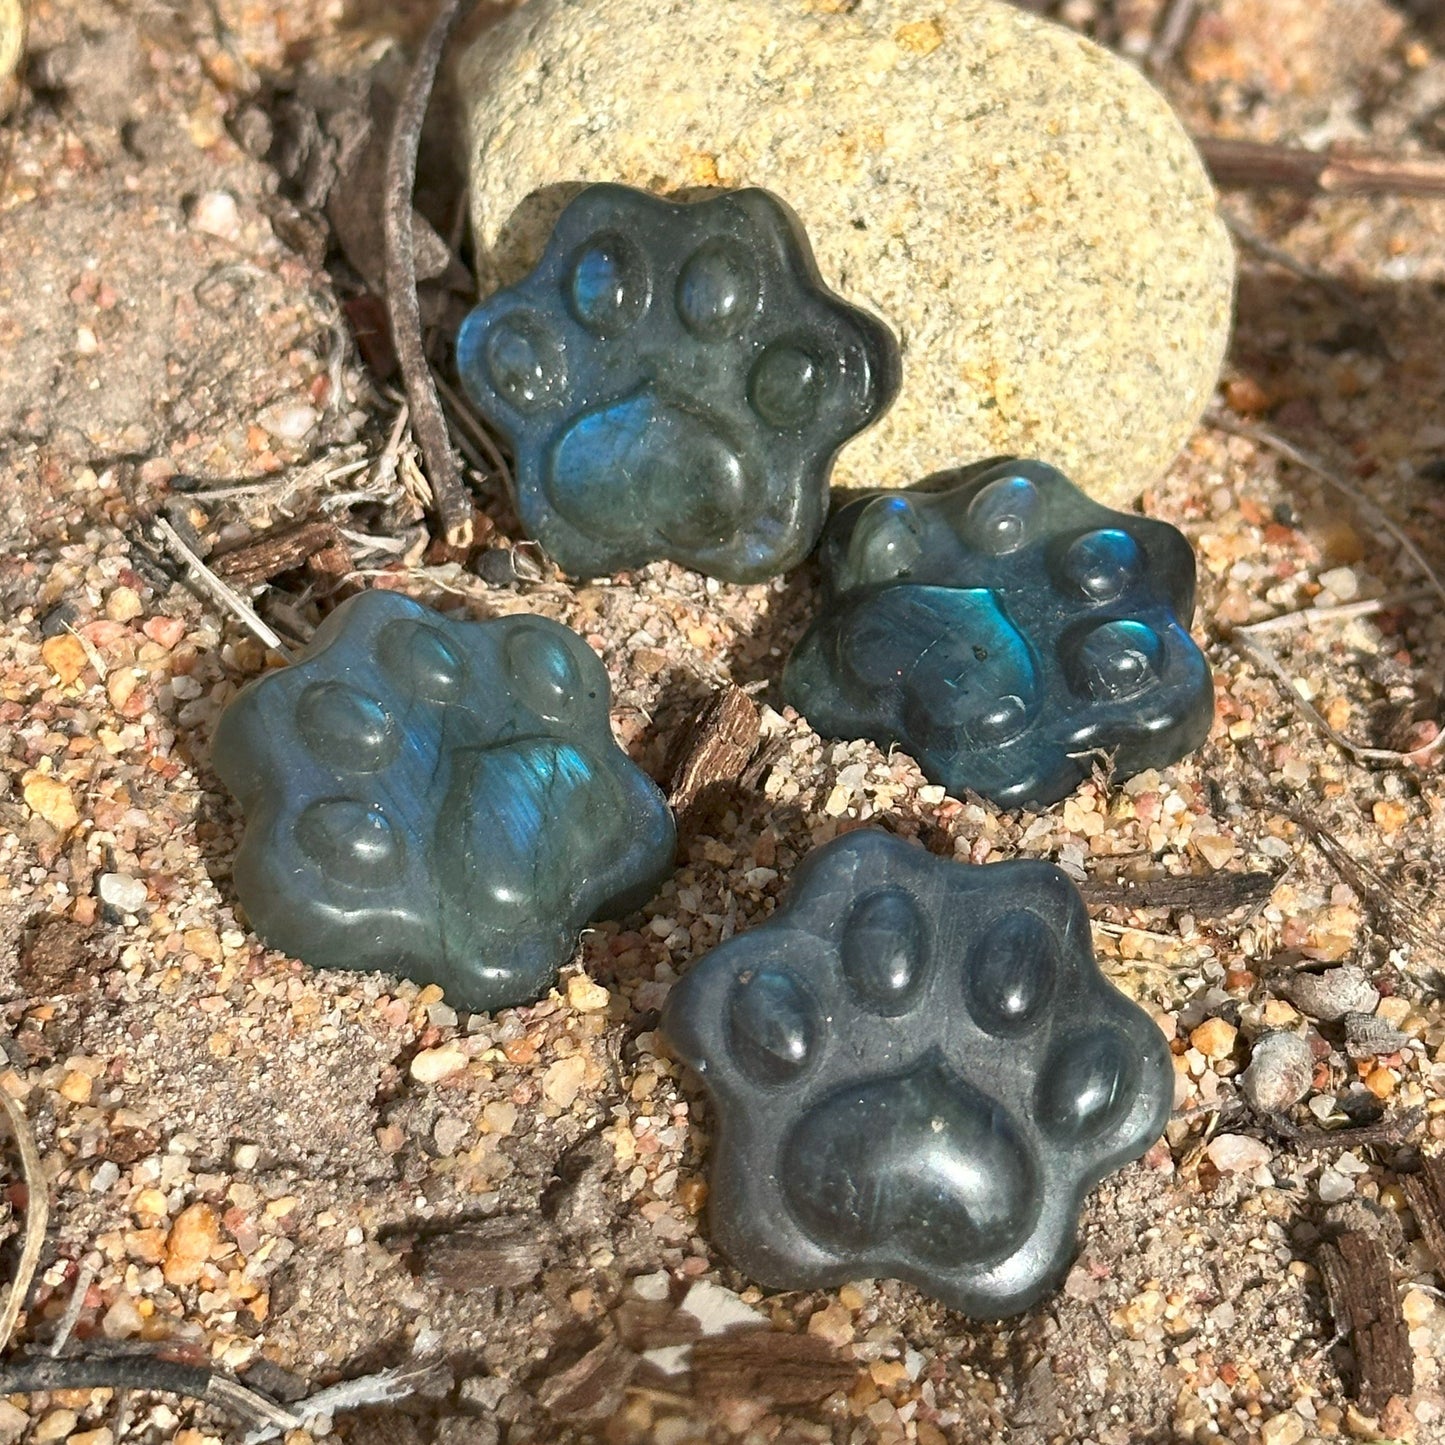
(266, 1168)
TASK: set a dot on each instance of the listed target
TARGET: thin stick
(452, 502)
(37, 1216)
(379, 1389)
(230, 599)
(1251, 165)
(84, 1278)
(462, 413)
(1342, 612)
(144, 1372)
(1173, 31)
(1260, 654)
(1332, 286)
(1282, 446)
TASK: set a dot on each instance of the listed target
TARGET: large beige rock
(1022, 208)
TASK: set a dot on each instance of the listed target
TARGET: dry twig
(84, 1278)
(37, 1216)
(1171, 33)
(144, 1371)
(452, 502)
(208, 582)
(1254, 165)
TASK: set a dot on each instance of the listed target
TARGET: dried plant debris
(782, 1369)
(505, 1253)
(716, 748)
(1360, 1286)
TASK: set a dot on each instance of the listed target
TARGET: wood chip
(281, 551)
(594, 1387)
(784, 1369)
(1213, 897)
(490, 1254)
(1360, 1285)
(1425, 1194)
(716, 748)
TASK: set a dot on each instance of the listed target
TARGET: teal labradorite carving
(917, 1072)
(674, 380)
(439, 799)
(1008, 632)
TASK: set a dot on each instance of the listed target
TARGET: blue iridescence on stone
(1008, 632)
(439, 799)
(675, 381)
(917, 1071)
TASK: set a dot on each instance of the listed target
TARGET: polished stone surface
(439, 799)
(1007, 632)
(675, 381)
(917, 1072)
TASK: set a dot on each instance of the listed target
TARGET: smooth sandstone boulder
(1022, 208)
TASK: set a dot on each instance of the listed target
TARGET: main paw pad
(1006, 631)
(440, 799)
(918, 1072)
(675, 381)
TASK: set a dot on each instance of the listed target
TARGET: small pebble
(122, 1319)
(832, 1323)
(1329, 996)
(586, 996)
(193, 1239)
(122, 892)
(1341, 584)
(124, 605)
(1334, 1186)
(432, 1065)
(288, 423)
(1214, 1038)
(1237, 1153)
(215, 214)
(449, 1134)
(1281, 1067)
(57, 1425)
(13, 1423)
(563, 1080)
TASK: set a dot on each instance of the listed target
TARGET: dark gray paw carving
(917, 1072)
(675, 381)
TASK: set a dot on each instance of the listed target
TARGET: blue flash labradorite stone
(1008, 632)
(438, 799)
(918, 1072)
(675, 381)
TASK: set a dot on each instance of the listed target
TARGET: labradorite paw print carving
(1008, 632)
(918, 1072)
(437, 798)
(675, 381)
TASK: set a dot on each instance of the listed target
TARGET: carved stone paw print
(917, 1072)
(440, 799)
(675, 381)
(1008, 633)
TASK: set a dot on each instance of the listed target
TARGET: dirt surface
(305, 1177)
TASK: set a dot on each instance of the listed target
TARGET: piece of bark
(1363, 1300)
(490, 1254)
(1425, 1194)
(783, 1369)
(332, 571)
(276, 552)
(716, 748)
(1212, 897)
(594, 1387)
(1258, 165)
